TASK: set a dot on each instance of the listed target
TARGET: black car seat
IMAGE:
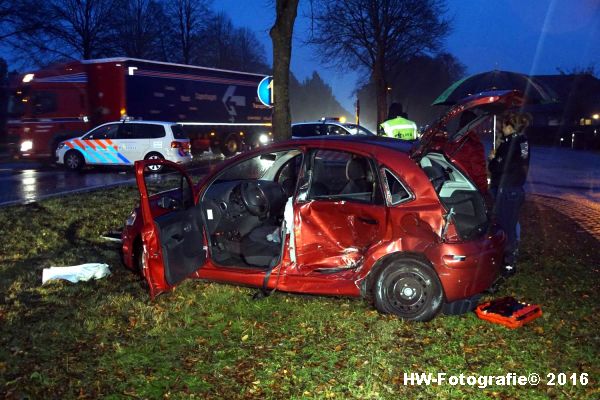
(257, 249)
(359, 175)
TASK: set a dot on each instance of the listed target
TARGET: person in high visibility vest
(398, 125)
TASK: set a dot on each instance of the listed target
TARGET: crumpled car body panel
(339, 243)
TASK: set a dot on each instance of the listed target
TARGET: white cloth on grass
(76, 273)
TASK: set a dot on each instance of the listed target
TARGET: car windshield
(263, 166)
(358, 130)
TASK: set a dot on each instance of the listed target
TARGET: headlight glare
(26, 145)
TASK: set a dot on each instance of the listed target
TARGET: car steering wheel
(254, 198)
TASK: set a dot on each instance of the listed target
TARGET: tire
(409, 288)
(230, 145)
(73, 160)
(154, 156)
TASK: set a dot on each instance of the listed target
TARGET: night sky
(528, 36)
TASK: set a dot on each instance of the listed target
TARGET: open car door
(172, 232)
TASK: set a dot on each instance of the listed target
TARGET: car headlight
(26, 145)
(263, 138)
(131, 219)
(60, 145)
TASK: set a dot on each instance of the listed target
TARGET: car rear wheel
(74, 160)
(154, 156)
(409, 288)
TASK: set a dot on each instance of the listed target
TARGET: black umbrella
(533, 90)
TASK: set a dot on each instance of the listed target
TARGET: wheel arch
(368, 283)
(76, 151)
(152, 152)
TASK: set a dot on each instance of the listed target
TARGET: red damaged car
(374, 217)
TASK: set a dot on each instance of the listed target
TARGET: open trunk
(463, 202)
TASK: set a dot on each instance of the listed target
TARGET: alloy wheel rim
(72, 161)
(154, 167)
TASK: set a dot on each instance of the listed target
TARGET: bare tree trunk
(281, 35)
(380, 91)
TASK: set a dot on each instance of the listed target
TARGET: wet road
(26, 182)
(555, 172)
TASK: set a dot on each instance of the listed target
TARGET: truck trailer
(220, 110)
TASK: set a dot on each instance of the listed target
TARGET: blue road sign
(265, 91)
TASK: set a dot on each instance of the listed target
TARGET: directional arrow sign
(230, 101)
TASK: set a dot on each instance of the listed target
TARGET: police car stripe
(97, 155)
(104, 149)
(90, 143)
(103, 156)
(112, 159)
(114, 153)
(95, 151)
(99, 143)
(87, 155)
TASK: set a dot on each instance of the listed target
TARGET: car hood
(486, 104)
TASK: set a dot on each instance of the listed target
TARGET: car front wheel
(409, 288)
(74, 160)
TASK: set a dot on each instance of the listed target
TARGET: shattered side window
(397, 192)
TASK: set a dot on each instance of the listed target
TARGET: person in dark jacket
(508, 166)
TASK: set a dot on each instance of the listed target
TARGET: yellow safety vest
(400, 128)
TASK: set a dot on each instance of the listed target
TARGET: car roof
(357, 140)
(320, 122)
(137, 121)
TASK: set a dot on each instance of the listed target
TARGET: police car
(124, 142)
(326, 127)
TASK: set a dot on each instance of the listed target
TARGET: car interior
(245, 206)
(336, 175)
(457, 194)
(244, 210)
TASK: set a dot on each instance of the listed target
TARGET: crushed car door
(339, 212)
(172, 232)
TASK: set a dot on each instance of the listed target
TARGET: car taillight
(180, 145)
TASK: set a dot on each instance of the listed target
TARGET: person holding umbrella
(508, 166)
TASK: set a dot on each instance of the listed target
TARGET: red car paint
(340, 246)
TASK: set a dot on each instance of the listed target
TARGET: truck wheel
(154, 156)
(410, 289)
(74, 160)
(230, 146)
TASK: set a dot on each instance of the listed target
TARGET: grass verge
(106, 339)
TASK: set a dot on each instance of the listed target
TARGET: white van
(124, 142)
